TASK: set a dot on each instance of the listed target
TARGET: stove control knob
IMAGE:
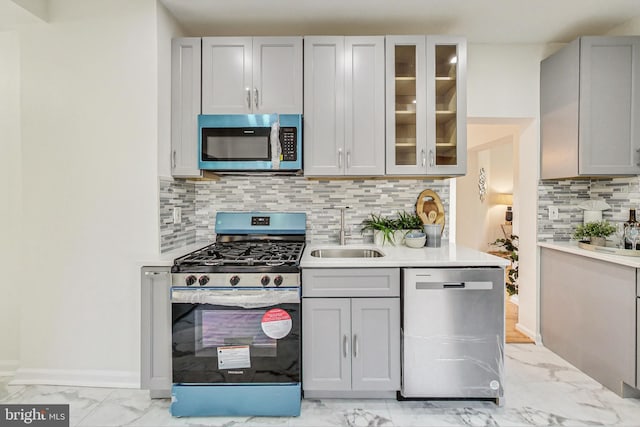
(265, 280)
(190, 280)
(234, 280)
(203, 280)
(277, 280)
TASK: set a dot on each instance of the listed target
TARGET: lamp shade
(502, 199)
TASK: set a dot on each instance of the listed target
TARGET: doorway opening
(487, 205)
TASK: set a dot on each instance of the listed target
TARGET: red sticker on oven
(276, 323)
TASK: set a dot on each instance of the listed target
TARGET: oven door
(235, 335)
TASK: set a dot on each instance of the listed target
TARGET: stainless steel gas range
(236, 319)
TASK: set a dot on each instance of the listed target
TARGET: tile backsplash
(621, 194)
(182, 194)
(316, 197)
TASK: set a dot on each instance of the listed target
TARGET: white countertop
(166, 259)
(572, 248)
(449, 255)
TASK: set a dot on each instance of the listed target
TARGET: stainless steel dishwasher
(453, 333)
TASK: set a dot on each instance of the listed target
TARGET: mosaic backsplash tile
(621, 194)
(177, 193)
(316, 197)
(200, 201)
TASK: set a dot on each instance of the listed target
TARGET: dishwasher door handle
(454, 285)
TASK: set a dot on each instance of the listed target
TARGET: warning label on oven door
(276, 323)
(234, 357)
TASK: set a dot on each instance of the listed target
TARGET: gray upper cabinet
(185, 106)
(426, 109)
(251, 75)
(344, 106)
(590, 109)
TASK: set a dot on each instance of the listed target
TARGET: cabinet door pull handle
(249, 99)
(340, 158)
(256, 98)
(173, 159)
(345, 346)
(424, 157)
(348, 159)
(432, 160)
(155, 273)
(355, 345)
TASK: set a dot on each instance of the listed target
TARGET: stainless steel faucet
(343, 232)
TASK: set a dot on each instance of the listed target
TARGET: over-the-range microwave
(238, 143)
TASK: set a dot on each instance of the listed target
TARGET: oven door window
(236, 144)
(229, 344)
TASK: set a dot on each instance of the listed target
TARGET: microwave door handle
(249, 99)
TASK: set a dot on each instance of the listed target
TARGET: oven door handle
(249, 298)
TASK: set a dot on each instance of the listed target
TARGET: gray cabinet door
(375, 338)
(277, 75)
(364, 106)
(326, 344)
(185, 106)
(227, 75)
(588, 315)
(324, 105)
(609, 105)
(155, 333)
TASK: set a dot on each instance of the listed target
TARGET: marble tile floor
(541, 390)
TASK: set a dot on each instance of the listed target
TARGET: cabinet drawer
(351, 282)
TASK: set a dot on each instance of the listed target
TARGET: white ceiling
(481, 21)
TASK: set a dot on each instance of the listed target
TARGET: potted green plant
(382, 227)
(406, 223)
(595, 232)
(510, 246)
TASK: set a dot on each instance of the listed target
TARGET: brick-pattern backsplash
(315, 197)
(621, 194)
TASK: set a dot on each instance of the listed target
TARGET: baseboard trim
(73, 377)
(8, 367)
(528, 332)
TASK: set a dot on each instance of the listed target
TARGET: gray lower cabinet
(351, 342)
(155, 333)
(588, 316)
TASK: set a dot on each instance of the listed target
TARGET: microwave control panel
(289, 143)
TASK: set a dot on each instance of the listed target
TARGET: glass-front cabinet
(426, 105)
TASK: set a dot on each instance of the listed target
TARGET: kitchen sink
(346, 253)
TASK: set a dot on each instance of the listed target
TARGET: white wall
(629, 28)
(89, 143)
(478, 222)
(10, 199)
(503, 80)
